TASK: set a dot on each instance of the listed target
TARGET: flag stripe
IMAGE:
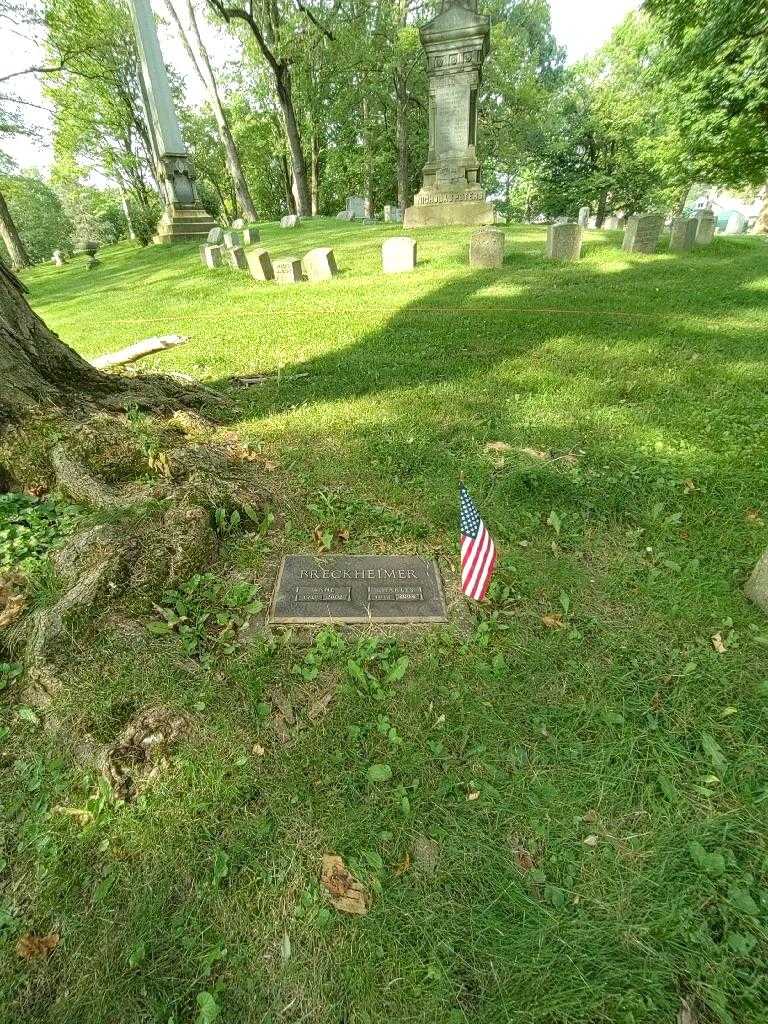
(482, 544)
(478, 552)
(473, 555)
(476, 586)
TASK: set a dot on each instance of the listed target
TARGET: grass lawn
(575, 825)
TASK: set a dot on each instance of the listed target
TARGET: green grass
(625, 724)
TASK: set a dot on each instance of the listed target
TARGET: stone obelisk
(456, 43)
(184, 219)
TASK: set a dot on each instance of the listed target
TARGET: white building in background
(723, 203)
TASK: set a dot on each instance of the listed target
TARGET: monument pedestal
(442, 209)
(183, 224)
(456, 44)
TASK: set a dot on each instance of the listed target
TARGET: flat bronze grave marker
(358, 588)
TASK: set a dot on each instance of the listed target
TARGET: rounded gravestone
(398, 255)
(320, 264)
(215, 237)
(564, 242)
(683, 234)
(486, 248)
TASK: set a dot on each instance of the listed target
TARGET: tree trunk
(36, 368)
(38, 371)
(284, 90)
(11, 237)
(602, 209)
(680, 204)
(205, 71)
(761, 224)
(367, 162)
(401, 130)
(315, 174)
(287, 185)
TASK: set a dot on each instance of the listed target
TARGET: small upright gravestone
(251, 236)
(57, 258)
(584, 217)
(288, 270)
(357, 206)
(611, 223)
(345, 215)
(291, 220)
(705, 227)
(398, 255)
(486, 248)
(260, 264)
(683, 234)
(393, 215)
(238, 224)
(564, 242)
(756, 588)
(737, 222)
(319, 265)
(215, 236)
(237, 257)
(642, 232)
(233, 238)
(211, 255)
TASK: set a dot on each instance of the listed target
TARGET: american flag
(478, 553)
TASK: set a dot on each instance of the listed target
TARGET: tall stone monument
(184, 219)
(456, 43)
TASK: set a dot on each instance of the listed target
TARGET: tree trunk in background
(290, 202)
(11, 237)
(368, 169)
(234, 166)
(761, 224)
(601, 210)
(680, 204)
(401, 99)
(315, 156)
(284, 88)
(36, 367)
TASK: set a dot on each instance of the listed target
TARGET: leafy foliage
(30, 527)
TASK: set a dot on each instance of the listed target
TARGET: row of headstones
(736, 225)
(358, 208)
(641, 234)
(317, 265)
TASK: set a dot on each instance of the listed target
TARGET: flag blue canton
(469, 516)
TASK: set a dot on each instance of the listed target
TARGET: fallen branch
(138, 351)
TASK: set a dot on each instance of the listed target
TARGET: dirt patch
(142, 749)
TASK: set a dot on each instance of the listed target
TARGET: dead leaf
(754, 515)
(269, 465)
(320, 706)
(347, 894)
(36, 490)
(37, 947)
(342, 536)
(78, 814)
(498, 446)
(591, 841)
(689, 487)
(717, 643)
(12, 600)
(403, 866)
(552, 621)
(590, 816)
(473, 794)
(258, 750)
(524, 859)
